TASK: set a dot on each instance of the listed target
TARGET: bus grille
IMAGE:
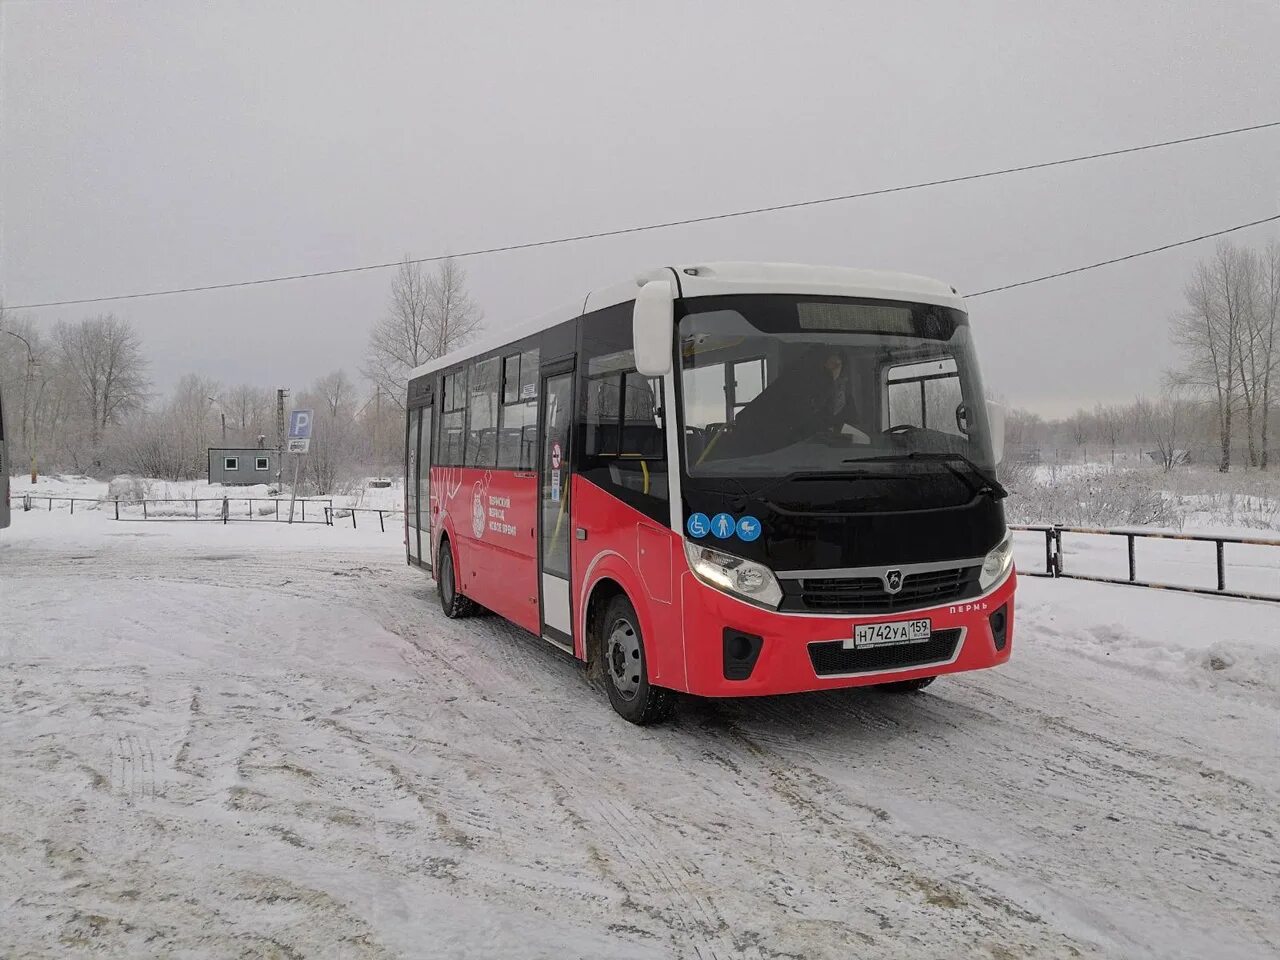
(830, 658)
(852, 595)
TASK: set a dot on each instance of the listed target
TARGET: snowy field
(257, 740)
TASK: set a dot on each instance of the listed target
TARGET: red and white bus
(724, 479)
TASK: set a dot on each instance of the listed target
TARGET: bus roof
(714, 279)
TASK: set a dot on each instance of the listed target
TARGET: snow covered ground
(257, 740)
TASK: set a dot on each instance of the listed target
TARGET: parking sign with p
(300, 425)
(300, 431)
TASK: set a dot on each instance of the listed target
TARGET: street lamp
(26, 400)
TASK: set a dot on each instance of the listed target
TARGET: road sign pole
(299, 443)
(293, 494)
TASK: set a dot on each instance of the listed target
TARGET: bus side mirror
(652, 327)
(995, 418)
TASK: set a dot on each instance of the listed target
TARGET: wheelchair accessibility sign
(723, 526)
(698, 525)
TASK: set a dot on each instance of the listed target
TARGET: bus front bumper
(735, 649)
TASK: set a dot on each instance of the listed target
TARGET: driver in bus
(839, 398)
(810, 399)
(840, 406)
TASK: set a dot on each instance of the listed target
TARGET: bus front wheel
(453, 603)
(621, 647)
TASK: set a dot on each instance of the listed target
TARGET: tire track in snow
(950, 901)
(668, 877)
(133, 767)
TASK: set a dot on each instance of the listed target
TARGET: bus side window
(518, 423)
(453, 419)
(624, 434)
(482, 423)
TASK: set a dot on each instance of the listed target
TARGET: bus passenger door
(411, 485)
(555, 529)
(425, 513)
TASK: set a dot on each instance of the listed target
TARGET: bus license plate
(887, 634)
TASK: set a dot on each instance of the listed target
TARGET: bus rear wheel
(453, 603)
(621, 647)
(906, 686)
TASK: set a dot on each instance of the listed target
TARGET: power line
(1127, 256)
(753, 211)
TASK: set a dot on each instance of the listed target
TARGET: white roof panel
(728, 277)
(710, 279)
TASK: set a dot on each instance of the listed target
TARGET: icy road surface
(261, 741)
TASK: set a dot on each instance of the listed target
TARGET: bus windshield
(779, 385)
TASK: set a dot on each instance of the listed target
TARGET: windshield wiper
(989, 486)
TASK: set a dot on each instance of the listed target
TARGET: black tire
(906, 686)
(626, 674)
(452, 602)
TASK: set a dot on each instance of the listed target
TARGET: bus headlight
(743, 578)
(997, 563)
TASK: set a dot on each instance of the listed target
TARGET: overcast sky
(150, 145)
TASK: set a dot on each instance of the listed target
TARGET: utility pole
(26, 402)
(221, 410)
(377, 422)
(280, 395)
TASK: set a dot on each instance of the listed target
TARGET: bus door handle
(580, 533)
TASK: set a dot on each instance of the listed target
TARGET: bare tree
(251, 411)
(1080, 428)
(1250, 352)
(1023, 431)
(1208, 333)
(104, 359)
(427, 316)
(1110, 425)
(171, 443)
(335, 438)
(1265, 318)
(1166, 423)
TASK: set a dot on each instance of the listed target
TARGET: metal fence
(203, 509)
(333, 514)
(1055, 565)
